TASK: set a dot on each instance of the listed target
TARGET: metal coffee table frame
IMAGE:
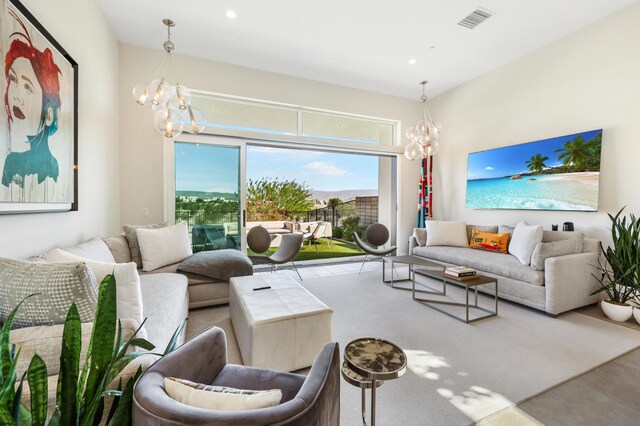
(474, 283)
(412, 262)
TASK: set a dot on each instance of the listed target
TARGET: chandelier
(423, 137)
(170, 103)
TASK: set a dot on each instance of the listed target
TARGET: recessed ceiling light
(231, 14)
(412, 61)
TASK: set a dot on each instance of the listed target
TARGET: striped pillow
(220, 397)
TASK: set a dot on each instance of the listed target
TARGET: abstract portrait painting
(38, 124)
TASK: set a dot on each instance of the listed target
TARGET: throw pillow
(444, 233)
(524, 240)
(132, 239)
(420, 234)
(489, 241)
(482, 228)
(543, 251)
(218, 264)
(163, 246)
(57, 286)
(94, 249)
(128, 295)
(220, 397)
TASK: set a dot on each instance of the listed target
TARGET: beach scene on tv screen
(561, 173)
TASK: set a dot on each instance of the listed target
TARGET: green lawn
(337, 249)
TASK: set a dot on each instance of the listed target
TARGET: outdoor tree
(274, 199)
(333, 202)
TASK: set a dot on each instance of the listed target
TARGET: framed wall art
(38, 124)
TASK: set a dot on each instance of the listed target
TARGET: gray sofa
(311, 400)
(565, 283)
(203, 291)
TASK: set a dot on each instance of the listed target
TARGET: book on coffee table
(467, 278)
(460, 271)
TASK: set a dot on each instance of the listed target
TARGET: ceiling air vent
(476, 18)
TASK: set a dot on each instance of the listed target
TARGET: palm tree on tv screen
(576, 154)
(536, 163)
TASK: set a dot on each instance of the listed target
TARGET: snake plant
(81, 392)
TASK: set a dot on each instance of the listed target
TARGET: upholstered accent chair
(378, 235)
(310, 400)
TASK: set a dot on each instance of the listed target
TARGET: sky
(511, 159)
(213, 168)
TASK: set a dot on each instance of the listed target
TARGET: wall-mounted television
(561, 173)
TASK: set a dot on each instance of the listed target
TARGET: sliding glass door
(208, 193)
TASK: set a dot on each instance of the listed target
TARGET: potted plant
(620, 272)
(82, 391)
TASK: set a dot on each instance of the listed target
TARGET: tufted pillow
(57, 286)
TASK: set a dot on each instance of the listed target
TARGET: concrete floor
(607, 395)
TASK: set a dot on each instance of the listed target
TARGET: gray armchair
(314, 400)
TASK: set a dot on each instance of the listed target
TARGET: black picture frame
(66, 138)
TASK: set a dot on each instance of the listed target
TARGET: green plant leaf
(123, 414)
(114, 403)
(25, 416)
(176, 337)
(17, 401)
(5, 416)
(103, 340)
(69, 367)
(5, 347)
(37, 378)
(55, 419)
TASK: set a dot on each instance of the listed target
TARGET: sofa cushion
(119, 247)
(482, 228)
(446, 233)
(524, 239)
(494, 263)
(551, 236)
(218, 264)
(420, 234)
(56, 286)
(94, 249)
(163, 246)
(543, 251)
(132, 238)
(165, 304)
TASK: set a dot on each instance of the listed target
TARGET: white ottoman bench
(281, 328)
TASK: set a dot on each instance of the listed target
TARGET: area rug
(457, 373)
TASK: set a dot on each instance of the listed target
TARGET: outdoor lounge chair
(317, 233)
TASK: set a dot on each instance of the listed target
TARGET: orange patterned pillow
(497, 243)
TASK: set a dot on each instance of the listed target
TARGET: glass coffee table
(412, 262)
(467, 284)
(368, 362)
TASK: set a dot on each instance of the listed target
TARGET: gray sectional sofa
(565, 283)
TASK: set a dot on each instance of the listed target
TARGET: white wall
(141, 147)
(78, 25)
(587, 80)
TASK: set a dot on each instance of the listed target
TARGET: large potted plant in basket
(619, 273)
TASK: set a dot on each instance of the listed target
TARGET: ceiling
(365, 44)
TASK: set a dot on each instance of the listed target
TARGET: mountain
(344, 195)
